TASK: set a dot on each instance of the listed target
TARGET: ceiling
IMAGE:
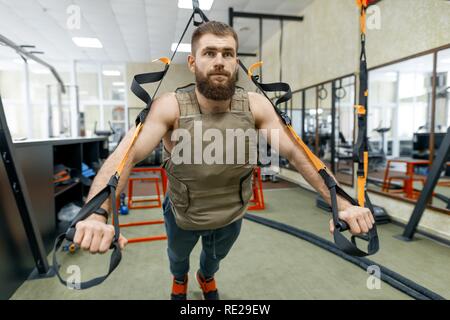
(130, 30)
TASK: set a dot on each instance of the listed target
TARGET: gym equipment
(382, 132)
(379, 213)
(361, 150)
(109, 191)
(105, 133)
(390, 277)
(17, 257)
(163, 179)
(123, 207)
(257, 200)
(427, 192)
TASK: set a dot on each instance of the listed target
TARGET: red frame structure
(163, 179)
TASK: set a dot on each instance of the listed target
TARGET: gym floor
(264, 264)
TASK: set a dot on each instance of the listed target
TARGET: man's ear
(191, 63)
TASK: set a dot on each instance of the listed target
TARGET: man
(206, 199)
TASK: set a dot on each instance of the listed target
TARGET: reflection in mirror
(324, 120)
(344, 124)
(441, 197)
(399, 126)
(310, 119)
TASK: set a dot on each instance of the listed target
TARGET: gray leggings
(215, 245)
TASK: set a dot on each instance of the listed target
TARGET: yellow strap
(125, 158)
(317, 163)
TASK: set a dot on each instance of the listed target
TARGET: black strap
(142, 94)
(110, 189)
(88, 209)
(342, 242)
(340, 226)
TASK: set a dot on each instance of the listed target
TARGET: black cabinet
(37, 160)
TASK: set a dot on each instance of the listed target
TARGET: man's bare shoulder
(165, 108)
(260, 106)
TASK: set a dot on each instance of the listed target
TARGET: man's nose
(219, 60)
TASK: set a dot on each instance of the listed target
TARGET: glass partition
(442, 122)
(344, 93)
(400, 104)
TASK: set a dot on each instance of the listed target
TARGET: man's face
(215, 66)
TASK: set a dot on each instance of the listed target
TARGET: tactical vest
(209, 196)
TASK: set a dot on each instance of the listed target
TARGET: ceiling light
(87, 42)
(111, 73)
(118, 84)
(187, 4)
(183, 47)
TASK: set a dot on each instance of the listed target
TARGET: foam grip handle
(70, 234)
(342, 226)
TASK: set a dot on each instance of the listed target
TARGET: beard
(216, 91)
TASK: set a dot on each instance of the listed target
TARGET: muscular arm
(94, 234)
(160, 119)
(266, 118)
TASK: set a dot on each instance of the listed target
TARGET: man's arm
(93, 233)
(359, 219)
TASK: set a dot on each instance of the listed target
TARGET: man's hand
(95, 235)
(359, 219)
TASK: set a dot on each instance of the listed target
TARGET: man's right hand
(95, 235)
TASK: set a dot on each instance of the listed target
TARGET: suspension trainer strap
(342, 242)
(110, 190)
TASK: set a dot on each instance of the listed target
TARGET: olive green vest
(210, 196)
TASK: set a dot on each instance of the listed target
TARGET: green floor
(264, 263)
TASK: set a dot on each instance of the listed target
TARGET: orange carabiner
(362, 3)
(254, 66)
(360, 109)
(164, 60)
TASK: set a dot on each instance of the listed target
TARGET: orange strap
(362, 181)
(125, 158)
(362, 5)
(317, 163)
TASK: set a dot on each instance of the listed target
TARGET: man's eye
(228, 54)
(210, 53)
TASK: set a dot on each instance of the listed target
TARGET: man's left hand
(360, 220)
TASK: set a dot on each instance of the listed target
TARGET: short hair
(212, 27)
